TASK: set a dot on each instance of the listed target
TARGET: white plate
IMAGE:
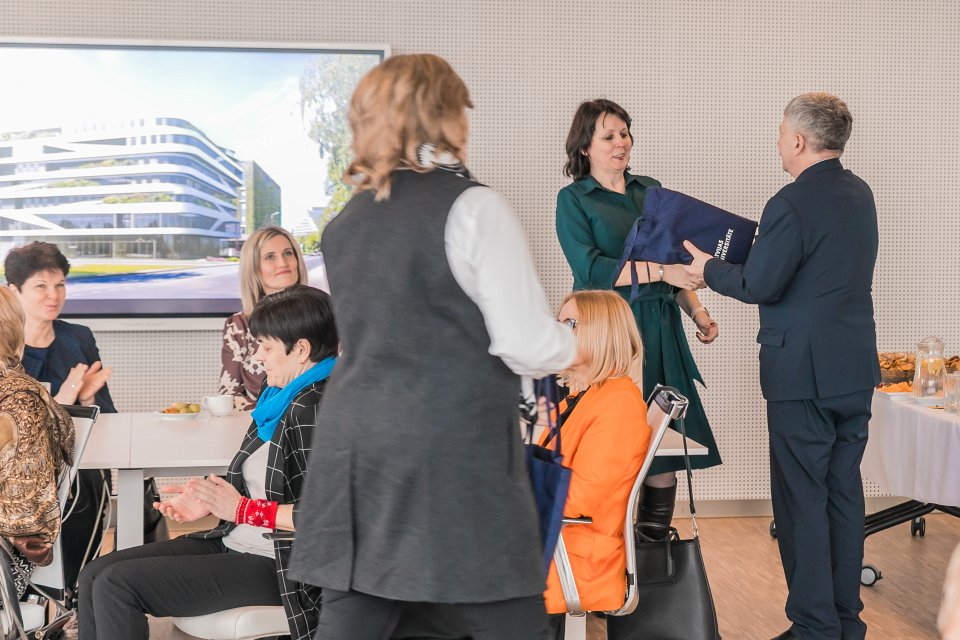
(178, 416)
(929, 400)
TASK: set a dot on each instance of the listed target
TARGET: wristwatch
(693, 314)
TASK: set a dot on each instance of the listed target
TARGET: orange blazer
(604, 442)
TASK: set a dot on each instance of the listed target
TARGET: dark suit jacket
(811, 271)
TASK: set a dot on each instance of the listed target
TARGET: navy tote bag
(549, 478)
(670, 217)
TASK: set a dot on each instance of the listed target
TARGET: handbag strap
(547, 389)
(686, 459)
(562, 417)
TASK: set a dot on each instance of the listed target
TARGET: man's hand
(695, 268)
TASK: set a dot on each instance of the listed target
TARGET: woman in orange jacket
(605, 439)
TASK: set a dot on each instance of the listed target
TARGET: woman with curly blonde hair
(419, 497)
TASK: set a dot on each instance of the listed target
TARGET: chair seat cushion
(242, 623)
(33, 617)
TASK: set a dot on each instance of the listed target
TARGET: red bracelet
(256, 513)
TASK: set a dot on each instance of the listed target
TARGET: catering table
(141, 445)
(912, 451)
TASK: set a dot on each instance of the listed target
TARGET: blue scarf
(273, 402)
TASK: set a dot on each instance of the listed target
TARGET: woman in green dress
(594, 215)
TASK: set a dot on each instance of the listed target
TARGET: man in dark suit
(810, 271)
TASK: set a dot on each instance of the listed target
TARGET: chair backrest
(666, 404)
(51, 576)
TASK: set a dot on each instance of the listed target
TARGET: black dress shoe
(786, 635)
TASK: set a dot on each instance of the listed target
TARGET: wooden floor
(743, 566)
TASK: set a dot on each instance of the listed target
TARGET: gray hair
(822, 118)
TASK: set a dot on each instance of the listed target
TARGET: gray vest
(417, 488)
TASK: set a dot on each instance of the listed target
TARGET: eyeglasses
(570, 322)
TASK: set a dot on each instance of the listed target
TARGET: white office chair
(29, 616)
(241, 623)
(666, 404)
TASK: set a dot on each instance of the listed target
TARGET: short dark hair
(581, 134)
(23, 262)
(298, 312)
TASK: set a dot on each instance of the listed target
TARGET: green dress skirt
(667, 360)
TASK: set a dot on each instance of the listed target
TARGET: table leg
(129, 508)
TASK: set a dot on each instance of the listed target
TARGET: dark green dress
(592, 225)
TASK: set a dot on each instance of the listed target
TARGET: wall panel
(706, 83)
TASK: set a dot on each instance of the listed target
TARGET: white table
(141, 445)
(912, 451)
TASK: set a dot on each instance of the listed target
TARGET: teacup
(218, 405)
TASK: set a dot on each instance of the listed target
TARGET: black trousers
(180, 577)
(358, 616)
(815, 452)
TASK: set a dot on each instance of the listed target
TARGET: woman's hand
(707, 329)
(677, 275)
(93, 380)
(180, 507)
(215, 494)
(70, 389)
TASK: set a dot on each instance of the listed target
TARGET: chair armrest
(281, 536)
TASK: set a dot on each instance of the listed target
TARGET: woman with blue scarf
(232, 565)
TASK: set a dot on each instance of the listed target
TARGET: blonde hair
(11, 331)
(401, 104)
(251, 284)
(607, 338)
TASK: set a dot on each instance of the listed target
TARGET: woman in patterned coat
(270, 261)
(36, 441)
(232, 565)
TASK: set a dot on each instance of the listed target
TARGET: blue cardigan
(72, 344)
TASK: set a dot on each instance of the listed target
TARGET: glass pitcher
(930, 370)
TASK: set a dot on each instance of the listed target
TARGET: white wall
(706, 83)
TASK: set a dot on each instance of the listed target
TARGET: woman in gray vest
(419, 491)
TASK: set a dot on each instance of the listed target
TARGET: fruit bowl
(180, 411)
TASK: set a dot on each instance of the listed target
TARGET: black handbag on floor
(675, 602)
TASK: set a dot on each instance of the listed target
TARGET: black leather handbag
(675, 602)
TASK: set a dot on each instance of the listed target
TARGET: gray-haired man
(811, 271)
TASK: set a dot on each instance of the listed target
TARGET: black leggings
(358, 616)
(180, 577)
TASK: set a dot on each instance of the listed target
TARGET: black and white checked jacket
(286, 466)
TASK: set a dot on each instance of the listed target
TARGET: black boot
(657, 508)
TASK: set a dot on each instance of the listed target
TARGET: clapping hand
(181, 507)
(82, 383)
(216, 495)
(93, 380)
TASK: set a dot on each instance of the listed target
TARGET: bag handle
(686, 459)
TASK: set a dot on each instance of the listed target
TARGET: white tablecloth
(913, 451)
